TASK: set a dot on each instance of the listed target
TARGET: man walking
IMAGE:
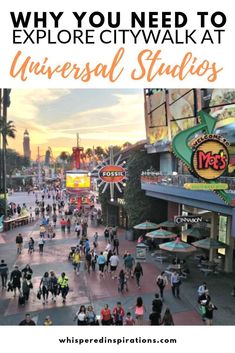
(175, 284)
(19, 243)
(3, 273)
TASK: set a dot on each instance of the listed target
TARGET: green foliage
(14, 161)
(140, 207)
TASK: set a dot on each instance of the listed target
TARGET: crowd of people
(90, 254)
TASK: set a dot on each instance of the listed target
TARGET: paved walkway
(90, 288)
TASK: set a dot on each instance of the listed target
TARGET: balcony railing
(151, 177)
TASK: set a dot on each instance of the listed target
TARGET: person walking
(80, 316)
(209, 310)
(139, 311)
(44, 286)
(106, 234)
(47, 321)
(162, 282)
(68, 225)
(3, 273)
(155, 318)
(91, 316)
(50, 231)
(41, 243)
(167, 319)
(138, 272)
(26, 287)
(106, 317)
(88, 261)
(76, 259)
(53, 286)
(175, 284)
(27, 272)
(129, 264)
(129, 321)
(157, 304)
(114, 261)
(54, 219)
(63, 283)
(27, 321)
(78, 229)
(118, 314)
(101, 263)
(122, 282)
(15, 278)
(19, 243)
(31, 245)
(116, 245)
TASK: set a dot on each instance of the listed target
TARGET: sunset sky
(54, 116)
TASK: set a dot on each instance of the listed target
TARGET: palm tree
(7, 129)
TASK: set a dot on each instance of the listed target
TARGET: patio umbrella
(177, 246)
(195, 233)
(167, 224)
(208, 244)
(146, 226)
(160, 234)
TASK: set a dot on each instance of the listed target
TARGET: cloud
(115, 123)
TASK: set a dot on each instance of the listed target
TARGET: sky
(102, 117)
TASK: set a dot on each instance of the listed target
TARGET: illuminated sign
(112, 173)
(207, 158)
(204, 186)
(187, 219)
(77, 181)
(210, 157)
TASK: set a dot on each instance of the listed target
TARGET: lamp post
(5, 105)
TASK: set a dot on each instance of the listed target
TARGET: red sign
(112, 173)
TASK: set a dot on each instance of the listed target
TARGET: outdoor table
(206, 271)
(175, 267)
(160, 258)
(15, 222)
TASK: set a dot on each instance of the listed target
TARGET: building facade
(167, 112)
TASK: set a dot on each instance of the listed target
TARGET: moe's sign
(112, 174)
(210, 157)
(206, 157)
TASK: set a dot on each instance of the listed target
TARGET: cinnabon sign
(112, 174)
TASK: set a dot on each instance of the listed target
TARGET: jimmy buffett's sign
(206, 157)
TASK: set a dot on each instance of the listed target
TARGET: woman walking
(167, 319)
(161, 283)
(81, 316)
(209, 309)
(138, 272)
(139, 311)
(26, 286)
(44, 286)
(53, 286)
(91, 316)
(106, 317)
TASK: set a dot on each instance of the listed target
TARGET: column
(214, 233)
(228, 266)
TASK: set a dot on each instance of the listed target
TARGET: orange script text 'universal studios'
(149, 65)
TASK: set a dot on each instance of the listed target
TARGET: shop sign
(187, 219)
(112, 174)
(210, 157)
(206, 157)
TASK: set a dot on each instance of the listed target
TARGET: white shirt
(114, 260)
(108, 247)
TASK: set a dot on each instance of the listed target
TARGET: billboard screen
(182, 110)
(78, 181)
(157, 120)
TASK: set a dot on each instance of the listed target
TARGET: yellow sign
(204, 186)
(210, 159)
(78, 181)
